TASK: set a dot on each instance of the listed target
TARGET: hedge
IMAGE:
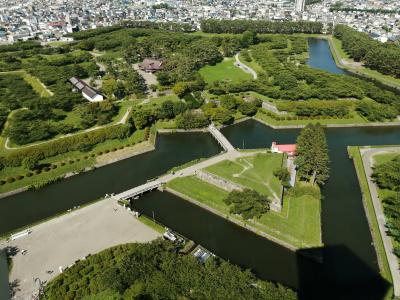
(66, 144)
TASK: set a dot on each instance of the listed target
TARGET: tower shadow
(335, 272)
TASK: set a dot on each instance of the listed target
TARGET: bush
(29, 174)
(19, 177)
(10, 179)
(2, 182)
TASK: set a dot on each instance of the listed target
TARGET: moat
(348, 258)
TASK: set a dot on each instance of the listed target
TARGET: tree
(248, 38)
(142, 118)
(248, 108)
(222, 115)
(284, 176)
(167, 109)
(228, 101)
(247, 203)
(180, 89)
(30, 162)
(312, 154)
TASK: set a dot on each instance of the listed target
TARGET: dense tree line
(387, 176)
(376, 112)
(314, 108)
(20, 46)
(383, 57)
(312, 159)
(156, 271)
(66, 144)
(260, 26)
(282, 78)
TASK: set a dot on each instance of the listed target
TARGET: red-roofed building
(289, 149)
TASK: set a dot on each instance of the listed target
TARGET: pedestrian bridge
(139, 190)
(221, 139)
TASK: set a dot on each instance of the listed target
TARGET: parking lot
(63, 240)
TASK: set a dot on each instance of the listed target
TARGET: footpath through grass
(299, 222)
(224, 71)
(355, 154)
(255, 172)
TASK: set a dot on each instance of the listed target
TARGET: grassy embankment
(384, 193)
(74, 161)
(354, 152)
(339, 54)
(224, 71)
(298, 224)
(77, 161)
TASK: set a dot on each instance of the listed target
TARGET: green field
(354, 153)
(298, 224)
(224, 71)
(254, 172)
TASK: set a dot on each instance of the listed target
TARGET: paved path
(63, 240)
(244, 67)
(222, 140)
(367, 157)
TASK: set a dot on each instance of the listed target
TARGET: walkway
(63, 240)
(221, 139)
(367, 158)
(244, 67)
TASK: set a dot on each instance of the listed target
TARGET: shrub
(46, 169)
(19, 177)
(29, 174)
(10, 179)
(62, 163)
(71, 161)
(2, 182)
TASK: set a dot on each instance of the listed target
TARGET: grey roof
(83, 87)
(88, 91)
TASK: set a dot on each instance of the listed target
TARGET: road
(368, 162)
(244, 67)
(63, 240)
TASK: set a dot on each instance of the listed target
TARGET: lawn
(201, 191)
(254, 172)
(354, 153)
(298, 224)
(382, 158)
(224, 71)
(154, 102)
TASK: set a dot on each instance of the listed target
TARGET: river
(349, 259)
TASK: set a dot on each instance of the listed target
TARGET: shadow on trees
(335, 272)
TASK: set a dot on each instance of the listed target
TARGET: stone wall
(222, 183)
